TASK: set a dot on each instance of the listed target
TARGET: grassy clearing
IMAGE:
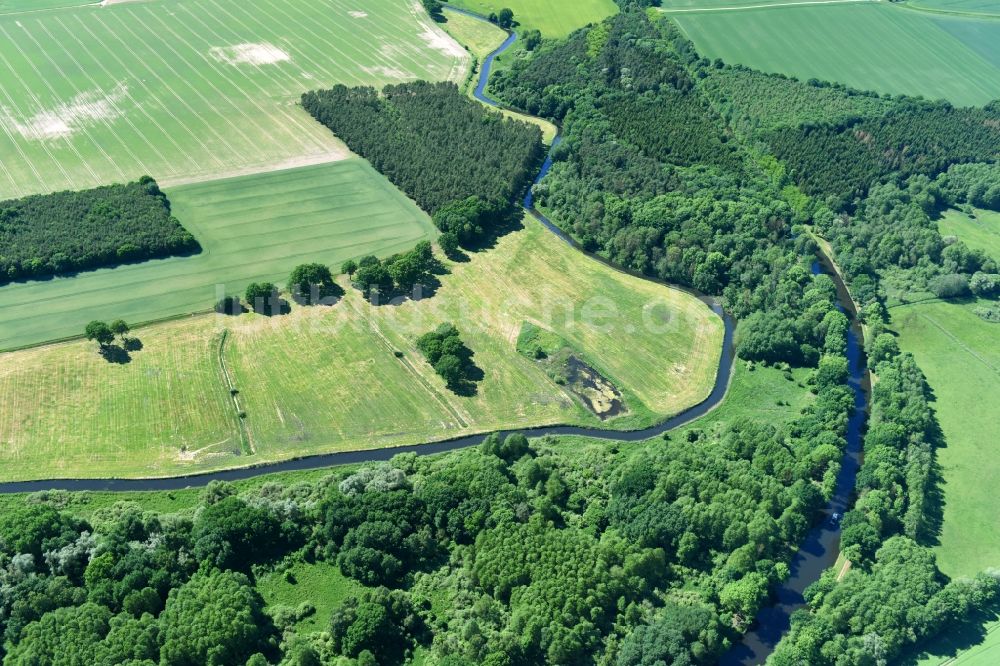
(326, 379)
(958, 352)
(871, 46)
(553, 18)
(187, 89)
(250, 228)
(320, 584)
(981, 232)
(753, 394)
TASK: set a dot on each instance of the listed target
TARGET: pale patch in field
(65, 119)
(440, 41)
(249, 54)
(357, 14)
(386, 72)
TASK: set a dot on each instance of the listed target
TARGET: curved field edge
(327, 379)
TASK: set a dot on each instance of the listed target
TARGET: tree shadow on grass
(468, 385)
(956, 637)
(115, 354)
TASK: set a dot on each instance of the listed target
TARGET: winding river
(818, 552)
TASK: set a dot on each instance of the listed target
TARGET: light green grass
(958, 352)
(755, 394)
(752, 394)
(872, 46)
(480, 37)
(320, 584)
(553, 18)
(981, 232)
(326, 378)
(91, 95)
(250, 228)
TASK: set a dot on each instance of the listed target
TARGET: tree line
(64, 232)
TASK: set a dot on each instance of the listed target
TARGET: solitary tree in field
(119, 328)
(100, 332)
(349, 267)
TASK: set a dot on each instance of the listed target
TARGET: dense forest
(64, 232)
(838, 142)
(431, 141)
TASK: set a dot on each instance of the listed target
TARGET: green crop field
(250, 228)
(981, 232)
(192, 89)
(958, 352)
(326, 378)
(553, 18)
(871, 46)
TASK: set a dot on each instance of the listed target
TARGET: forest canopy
(432, 141)
(53, 234)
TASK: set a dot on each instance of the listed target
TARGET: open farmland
(871, 46)
(191, 90)
(326, 379)
(250, 228)
(958, 352)
(553, 18)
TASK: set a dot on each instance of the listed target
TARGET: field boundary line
(234, 397)
(736, 8)
(947, 12)
(254, 169)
